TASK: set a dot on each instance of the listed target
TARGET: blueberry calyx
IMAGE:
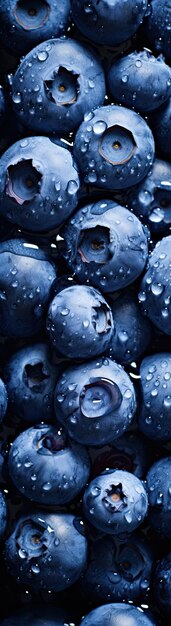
(114, 498)
(117, 145)
(99, 397)
(62, 89)
(51, 443)
(34, 375)
(101, 318)
(23, 181)
(31, 540)
(31, 15)
(94, 245)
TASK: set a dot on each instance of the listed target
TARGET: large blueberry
(117, 615)
(140, 81)
(133, 330)
(155, 294)
(95, 401)
(2, 104)
(154, 415)
(115, 502)
(106, 244)
(159, 496)
(161, 124)
(39, 184)
(25, 23)
(3, 515)
(129, 453)
(162, 584)
(47, 467)
(157, 26)
(79, 322)
(30, 378)
(151, 200)
(27, 275)
(46, 550)
(3, 399)
(118, 571)
(108, 22)
(56, 83)
(114, 148)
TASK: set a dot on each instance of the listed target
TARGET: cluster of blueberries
(85, 312)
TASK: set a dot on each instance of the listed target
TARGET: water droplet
(42, 55)
(99, 127)
(47, 486)
(35, 569)
(72, 187)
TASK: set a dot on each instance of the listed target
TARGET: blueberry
(46, 551)
(115, 502)
(30, 378)
(95, 401)
(61, 81)
(108, 22)
(162, 129)
(151, 200)
(106, 244)
(154, 416)
(47, 467)
(3, 515)
(79, 322)
(118, 571)
(117, 615)
(155, 287)
(162, 584)
(114, 148)
(158, 27)
(129, 453)
(25, 23)
(133, 331)
(2, 104)
(3, 400)
(140, 81)
(39, 184)
(27, 275)
(159, 495)
(38, 615)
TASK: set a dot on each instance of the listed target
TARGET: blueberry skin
(3, 400)
(159, 496)
(155, 286)
(141, 81)
(157, 27)
(3, 515)
(24, 24)
(133, 331)
(115, 502)
(47, 467)
(106, 244)
(162, 584)
(68, 81)
(129, 453)
(2, 104)
(79, 322)
(114, 148)
(154, 415)
(27, 275)
(95, 401)
(39, 184)
(118, 571)
(38, 615)
(108, 22)
(30, 379)
(117, 615)
(161, 124)
(151, 200)
(50, 549)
